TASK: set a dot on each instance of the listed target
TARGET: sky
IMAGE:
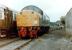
(53, 8)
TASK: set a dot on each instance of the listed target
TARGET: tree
(62, 20)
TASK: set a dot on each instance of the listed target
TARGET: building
(68, 22)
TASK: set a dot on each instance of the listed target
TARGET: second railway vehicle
(6, 22)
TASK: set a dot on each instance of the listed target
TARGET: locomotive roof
(34, 8)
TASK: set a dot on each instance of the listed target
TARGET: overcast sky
(53, 8)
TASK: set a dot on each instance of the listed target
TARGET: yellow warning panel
(27, 18)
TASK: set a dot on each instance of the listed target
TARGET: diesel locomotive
(31, 22)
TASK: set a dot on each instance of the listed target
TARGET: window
(1, 13)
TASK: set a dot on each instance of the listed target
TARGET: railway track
(23, 45)
(15, 45)
(7, 41)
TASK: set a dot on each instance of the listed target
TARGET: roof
(34, 8)
(69, 13)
